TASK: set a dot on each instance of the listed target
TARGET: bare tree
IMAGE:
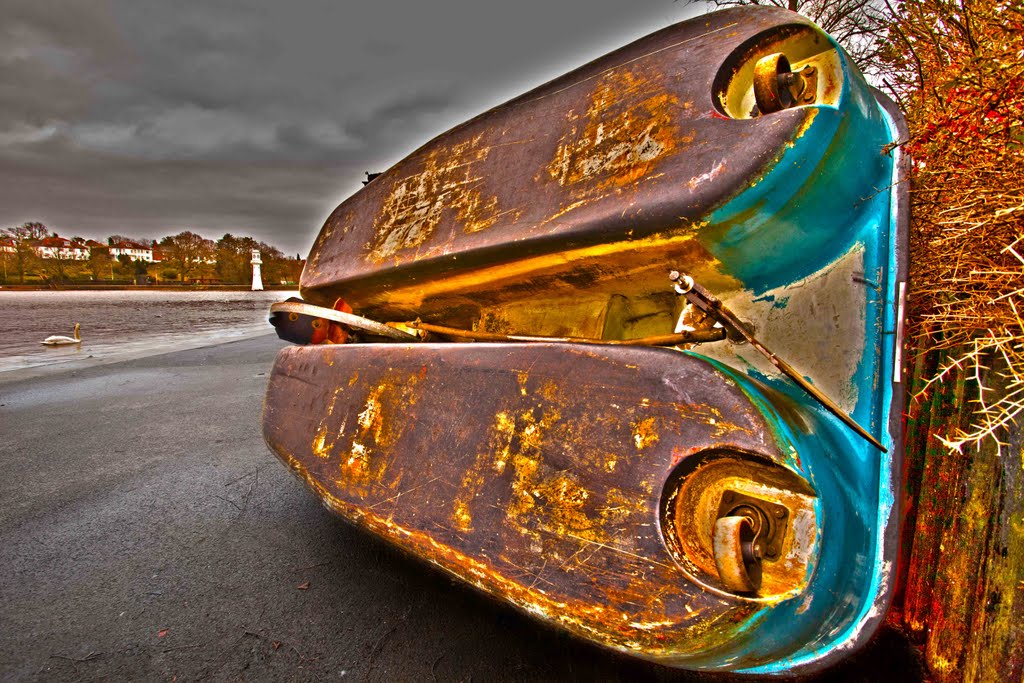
(860, 26)
(23, 238)
(57, 266)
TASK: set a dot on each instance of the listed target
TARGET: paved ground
(147, 533)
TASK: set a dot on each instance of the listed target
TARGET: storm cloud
(147, 117)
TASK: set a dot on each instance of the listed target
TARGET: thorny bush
(957, 70)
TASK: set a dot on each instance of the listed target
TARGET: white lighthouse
(257, 278)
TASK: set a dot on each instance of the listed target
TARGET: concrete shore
(147, 533)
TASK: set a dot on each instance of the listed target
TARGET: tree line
(183, 257)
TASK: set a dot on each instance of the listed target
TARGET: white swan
(61, 340)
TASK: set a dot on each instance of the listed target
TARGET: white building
(133, 250)
(59, 247)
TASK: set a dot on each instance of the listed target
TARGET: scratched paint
(629, 125)
(323, 440)
(448, 182)
(644, 433)
(552, 500)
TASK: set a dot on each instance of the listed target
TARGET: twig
(379, 645)
(245, 498)
(238, 479)
(182, 647)
(229, 502)
(88, 658)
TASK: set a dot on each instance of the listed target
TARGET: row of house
(79, 250)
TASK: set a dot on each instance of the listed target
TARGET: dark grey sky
(147, 117)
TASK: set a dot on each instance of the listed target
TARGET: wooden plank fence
(962, 561)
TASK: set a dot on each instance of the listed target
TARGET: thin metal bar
(710, 304)
(689, 337)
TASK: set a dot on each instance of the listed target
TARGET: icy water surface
(124, 324)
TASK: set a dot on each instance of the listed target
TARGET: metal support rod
(710, 304)
(689, 337)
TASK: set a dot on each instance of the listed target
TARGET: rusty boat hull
(544, 429)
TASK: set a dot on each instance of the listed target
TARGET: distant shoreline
(145, 288)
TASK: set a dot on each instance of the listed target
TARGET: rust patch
(374, 429)
(515, 442)
(324, 438)
(540, 497)
(644, 433)
(379, 425)
(497, 455)
(656, 634)
(622, 135)
(415, 206)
